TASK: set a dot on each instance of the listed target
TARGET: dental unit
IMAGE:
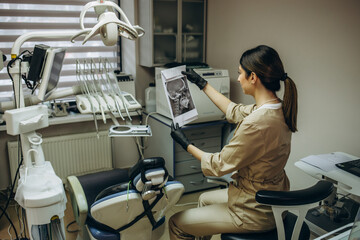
(40, 192)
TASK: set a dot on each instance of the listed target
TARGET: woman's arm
(196, 152)
(217, 98)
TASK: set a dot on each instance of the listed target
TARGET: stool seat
(289, 223)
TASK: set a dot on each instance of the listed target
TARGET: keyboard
(352, 167)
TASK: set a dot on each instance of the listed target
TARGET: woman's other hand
(178, 135)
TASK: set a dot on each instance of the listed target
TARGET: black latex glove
(178, 135)
(195, 78)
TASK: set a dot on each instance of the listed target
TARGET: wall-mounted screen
(51, 72)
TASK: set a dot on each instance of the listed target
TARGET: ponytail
(290, 105)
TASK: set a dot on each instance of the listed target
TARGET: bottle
(150, 98)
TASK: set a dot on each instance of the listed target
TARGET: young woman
(256, 155)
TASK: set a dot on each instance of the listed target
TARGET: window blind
(21, 16)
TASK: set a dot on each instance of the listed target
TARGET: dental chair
(292, 226)
(122, 205)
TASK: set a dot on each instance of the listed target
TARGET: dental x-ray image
(178, 94)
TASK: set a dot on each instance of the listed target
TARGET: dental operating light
(109, 26)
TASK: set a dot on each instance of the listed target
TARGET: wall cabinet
(174, 31)
(180, 164)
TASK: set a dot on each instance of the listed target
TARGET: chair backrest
(135, 208)
(93, 183)
(124, 208)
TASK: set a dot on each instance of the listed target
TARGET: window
(21, 16)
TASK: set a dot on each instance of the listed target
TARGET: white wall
(319, 43)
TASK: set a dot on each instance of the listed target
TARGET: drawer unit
(202, 143)
(195, 182)
(187, 167)
(201, 133)
(180, 164)
(184, 155)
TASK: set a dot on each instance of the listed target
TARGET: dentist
(256, 154)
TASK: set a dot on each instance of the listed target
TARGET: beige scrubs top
(257, 155)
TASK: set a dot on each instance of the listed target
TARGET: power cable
(11, 223)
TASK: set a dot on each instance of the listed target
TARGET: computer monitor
(51, 72)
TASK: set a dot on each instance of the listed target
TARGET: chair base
(289, 223)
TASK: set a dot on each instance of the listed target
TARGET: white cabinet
(180, 164)
(174, 31)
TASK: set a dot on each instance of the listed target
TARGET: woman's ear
(253, 78)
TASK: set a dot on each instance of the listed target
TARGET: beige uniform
(256, 155)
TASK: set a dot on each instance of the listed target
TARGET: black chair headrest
(149, 174)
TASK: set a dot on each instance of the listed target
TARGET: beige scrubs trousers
(211, 217)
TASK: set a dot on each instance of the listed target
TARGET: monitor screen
(51, 72)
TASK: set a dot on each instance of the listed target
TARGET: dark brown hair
(265, 62)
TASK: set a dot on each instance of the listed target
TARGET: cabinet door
(174, 31)
(193, 30)
(159, 45)
(165, 18)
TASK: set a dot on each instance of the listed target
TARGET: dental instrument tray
(130, 131)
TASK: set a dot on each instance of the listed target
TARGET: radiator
(74, 154)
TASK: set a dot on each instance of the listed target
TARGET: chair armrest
(78, 200)
(316, 193)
